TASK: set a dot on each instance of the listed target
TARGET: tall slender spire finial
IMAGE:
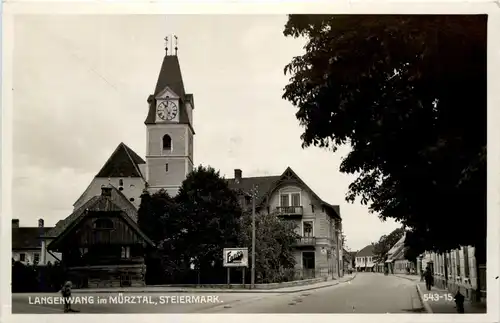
(166, 44)
(176, 42)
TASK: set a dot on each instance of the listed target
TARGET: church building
(100, 241)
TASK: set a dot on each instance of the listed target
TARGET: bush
(34, 278)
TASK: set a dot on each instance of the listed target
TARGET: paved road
(367, 293)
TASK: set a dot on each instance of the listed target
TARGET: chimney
(237, 175)
(15, 223)
(105, 190)
(40, 223)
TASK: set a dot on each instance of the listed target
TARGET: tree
(412, 111)
(155, 219)
(209, 217)
(274, 261)
(385, 243)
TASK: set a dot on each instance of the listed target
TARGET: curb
(254, 291)
(426, 305)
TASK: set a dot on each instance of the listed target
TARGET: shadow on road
(415, 310)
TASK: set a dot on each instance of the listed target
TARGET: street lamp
(252, 273)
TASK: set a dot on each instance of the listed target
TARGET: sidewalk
(439, 302)
(446, 304)
(165, 289)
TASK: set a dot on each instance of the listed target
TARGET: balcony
(290, 211)
(305, 242)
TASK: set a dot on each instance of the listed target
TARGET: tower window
(166, 167)
(167, 142)
(121, 182)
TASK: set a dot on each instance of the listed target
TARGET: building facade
(365, 259)
(318, 251)
(27, 244)
(456, 269)
(396, 262)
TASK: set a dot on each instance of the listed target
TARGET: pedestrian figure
(429, 279)
(459, 301)
(66, 294)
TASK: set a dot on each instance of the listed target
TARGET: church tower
(169, 152)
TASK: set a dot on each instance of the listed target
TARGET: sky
(81, 85)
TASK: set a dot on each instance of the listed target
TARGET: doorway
(308, 264)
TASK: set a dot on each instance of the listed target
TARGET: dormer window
(167, 143)
(103, 224)
(290, 199)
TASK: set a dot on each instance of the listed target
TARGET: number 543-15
(436, 297)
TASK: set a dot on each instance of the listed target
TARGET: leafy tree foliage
(274, 259)
(190, 228)
(385, 243)
(408, 95)
(193, 227)
(209, 218)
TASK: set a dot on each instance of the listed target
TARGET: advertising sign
(235, 257)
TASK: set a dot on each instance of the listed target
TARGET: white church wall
(132, 189)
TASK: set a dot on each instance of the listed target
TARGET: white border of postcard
(11, 8)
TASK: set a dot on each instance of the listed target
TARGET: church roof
(113, 202)
(171, 76)
(124, 162)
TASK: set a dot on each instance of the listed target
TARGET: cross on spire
(174, 41)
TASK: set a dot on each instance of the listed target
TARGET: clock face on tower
(167, 110)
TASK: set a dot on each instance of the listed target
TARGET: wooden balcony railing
(306, 241)
(290, 210)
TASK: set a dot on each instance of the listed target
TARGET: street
(367, 293)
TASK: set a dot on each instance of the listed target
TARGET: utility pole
(252, 277)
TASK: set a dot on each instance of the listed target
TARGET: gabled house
(318, 251)
(101, 243)
(27, 244)
(396, 261)
(365, 259)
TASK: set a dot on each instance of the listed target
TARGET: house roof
(115, 202)
(123, 162)
(397, 246)
(170, 76)
(245, 185)
(366, 251)
(266, 185)
(28, 237)
(397, 251)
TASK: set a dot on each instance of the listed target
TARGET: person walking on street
(459, 301)
(66, 294)
(429, 279)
